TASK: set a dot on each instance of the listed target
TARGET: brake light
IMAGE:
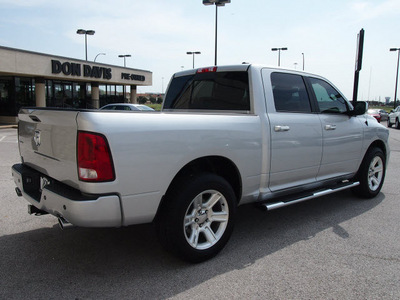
(207, 70)
(94, 158)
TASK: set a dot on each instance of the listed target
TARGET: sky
(158, 33)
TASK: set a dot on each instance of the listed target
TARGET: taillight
(207, 70)
(94, 158)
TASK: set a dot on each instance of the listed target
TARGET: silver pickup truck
(226, 136)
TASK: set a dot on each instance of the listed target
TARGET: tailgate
(47, 142)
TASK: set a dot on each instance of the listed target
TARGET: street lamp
(86, 33)
(303, 60)
(397, 74)
(124, 56)
(279, 53)
(193, 53)
(98, 55)
(217, 4)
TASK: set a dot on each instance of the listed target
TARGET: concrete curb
(8, 126)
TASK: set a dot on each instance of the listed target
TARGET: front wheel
(371, 174)
(197, 217)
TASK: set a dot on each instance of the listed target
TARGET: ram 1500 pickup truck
(226, 136)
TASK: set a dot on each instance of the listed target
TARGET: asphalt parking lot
(334, 247)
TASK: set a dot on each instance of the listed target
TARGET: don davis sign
(74, 69)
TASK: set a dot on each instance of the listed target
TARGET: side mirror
(360, 108)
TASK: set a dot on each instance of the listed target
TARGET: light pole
(217, 3)
(86, 33)
(279, 53)
(397, 74)
(124, 56)
(98, 55)
(303, 60)
(193, 53)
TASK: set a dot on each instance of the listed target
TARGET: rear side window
(209, 91)
(290, 93)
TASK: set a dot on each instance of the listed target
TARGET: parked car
(378, 114)
(126, 106)
(394, 117)
(227, 136)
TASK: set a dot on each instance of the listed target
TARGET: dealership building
(30, 79)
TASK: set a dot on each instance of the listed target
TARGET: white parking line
(4, 140)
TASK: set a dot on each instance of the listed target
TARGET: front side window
(209, 91)
(329, 100)
(290, 94)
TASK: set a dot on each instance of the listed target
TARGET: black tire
(397, 124)
(192, 233)
(388, 123)
(371, 174)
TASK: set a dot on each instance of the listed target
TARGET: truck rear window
(209, 91)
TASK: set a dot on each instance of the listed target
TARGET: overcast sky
(158, 33)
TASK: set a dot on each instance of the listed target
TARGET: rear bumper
(66, 202)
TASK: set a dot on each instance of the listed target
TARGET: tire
(388, 123)
(371, 174)
(397, 124)
(197, 217)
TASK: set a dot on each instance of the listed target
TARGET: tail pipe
(64, 224)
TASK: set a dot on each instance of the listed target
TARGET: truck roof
(238, 68)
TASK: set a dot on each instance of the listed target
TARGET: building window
(7, 106)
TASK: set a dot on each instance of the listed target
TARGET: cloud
(367, 10)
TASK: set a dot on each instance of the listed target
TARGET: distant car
(394, 117)
(126, 106)
(378, 114)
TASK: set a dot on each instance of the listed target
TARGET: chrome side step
(348, 185)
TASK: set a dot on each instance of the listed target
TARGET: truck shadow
(80, 263)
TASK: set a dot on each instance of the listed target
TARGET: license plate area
(31, 184)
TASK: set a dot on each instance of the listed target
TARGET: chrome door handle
(279, 128)
(330, 127)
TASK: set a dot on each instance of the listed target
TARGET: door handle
(280, 128)
(330, 127)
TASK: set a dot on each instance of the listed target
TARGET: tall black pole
(360, 47)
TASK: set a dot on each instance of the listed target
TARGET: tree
(152, 99)
(141, 100)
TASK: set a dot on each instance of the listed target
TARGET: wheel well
(379, 144)
(218, 165)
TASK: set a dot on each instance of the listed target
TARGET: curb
(8, 126)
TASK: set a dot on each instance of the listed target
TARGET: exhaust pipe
(64, 224)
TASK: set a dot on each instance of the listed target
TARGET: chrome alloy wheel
(375, 173)
(206, 219)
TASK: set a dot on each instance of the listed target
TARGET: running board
(348, 185)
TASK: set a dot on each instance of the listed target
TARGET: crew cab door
(295, 131)
(342, 133)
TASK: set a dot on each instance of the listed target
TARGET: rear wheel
(388, 123)
(197, 217)
(371, 174)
